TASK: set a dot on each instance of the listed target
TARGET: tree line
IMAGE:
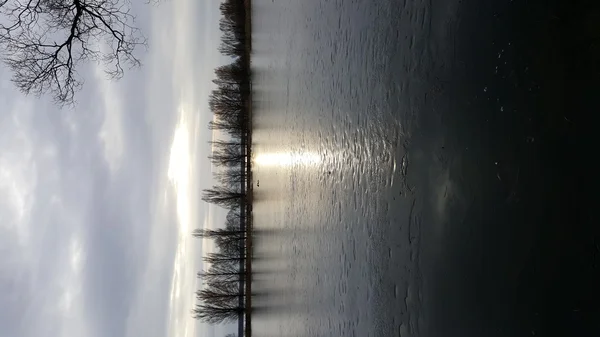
(221, 297)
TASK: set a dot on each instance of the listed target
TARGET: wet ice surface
(403, 155)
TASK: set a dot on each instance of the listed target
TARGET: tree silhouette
(222, 272)
(219, 296)
(227, 155)
(231, 176)
(227, 99)
(216, 234)
(222, 257)
(223, 196)
(232, 74)
(235, 130)
(215, 314)
(212, 277)
(224, 284)
(232, 219)
(43, 42)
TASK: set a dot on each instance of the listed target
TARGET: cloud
(111, 133)
(74, 224)
(94, 237)
(41, 267)
(17, 182)
(70, 305)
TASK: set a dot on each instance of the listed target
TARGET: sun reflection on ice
(287, 159)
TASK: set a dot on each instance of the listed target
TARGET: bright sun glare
(180, 178)
(287, 159)
(179, 172)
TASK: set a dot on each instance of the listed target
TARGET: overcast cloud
(97, 203)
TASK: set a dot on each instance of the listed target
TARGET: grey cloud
(74, 193)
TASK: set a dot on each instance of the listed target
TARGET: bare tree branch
(43, 42)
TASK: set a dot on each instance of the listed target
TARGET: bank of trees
(222, 293)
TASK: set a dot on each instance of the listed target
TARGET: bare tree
(43, 42)
(221, 299)
(230, 240)
(227, 98)
(217, 233)
(233, 18)
(212, 277)
(231, 74)
(230, 245)
(233, 279)
(232, 219)
(223, 196)
(235, 130)
(232, 176)
(227, 155)
(223, 268)
(216, 296)
(216, 314)
(219, 143)
(222, 271)
(222, 257)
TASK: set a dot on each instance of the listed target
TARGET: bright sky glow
(179, 172)
(180, 177)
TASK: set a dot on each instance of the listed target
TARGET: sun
(179, 172)
(179, 159)
(179, 175)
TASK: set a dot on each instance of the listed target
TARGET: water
(425, 168)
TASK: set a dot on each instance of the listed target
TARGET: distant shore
(249, 180)
(225, 295)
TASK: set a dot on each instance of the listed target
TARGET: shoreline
(249, 181)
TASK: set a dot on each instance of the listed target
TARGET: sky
(97, 202)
